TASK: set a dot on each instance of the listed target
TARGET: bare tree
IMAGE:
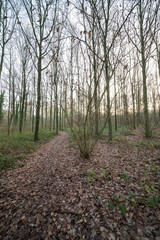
(42, 21)
(7, 25)
(147, 12)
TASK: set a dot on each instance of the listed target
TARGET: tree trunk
(108, 104)
(145, 100)
(22, 101)
(115, 104)
(38, 96)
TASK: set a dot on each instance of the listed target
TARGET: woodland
(80, 119)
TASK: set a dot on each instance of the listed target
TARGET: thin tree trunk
(145, 99)
(51, 111)
(23, 97)
(38, 95)
(115, 103)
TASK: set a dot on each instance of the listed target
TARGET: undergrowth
(71, 137)
(123, 131)
(14, 147)
(148, 196)
(119, 134)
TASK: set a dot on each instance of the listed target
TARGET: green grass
(121, 131)
(68, 130)
(71, 137)
(14, 147)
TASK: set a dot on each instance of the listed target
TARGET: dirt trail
(31, 196)
(51, 197)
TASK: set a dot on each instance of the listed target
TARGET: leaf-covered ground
(59, 195)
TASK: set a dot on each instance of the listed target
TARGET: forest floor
(59, 195)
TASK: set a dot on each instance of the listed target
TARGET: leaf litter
(52, 196)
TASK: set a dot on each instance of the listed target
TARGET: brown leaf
(125, 67)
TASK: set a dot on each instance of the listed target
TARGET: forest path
(52, 198)
(46, 186)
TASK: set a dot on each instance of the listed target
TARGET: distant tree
(7, 25)
(1, 105)
(24, 61)
(146, 17)
(42, 18)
